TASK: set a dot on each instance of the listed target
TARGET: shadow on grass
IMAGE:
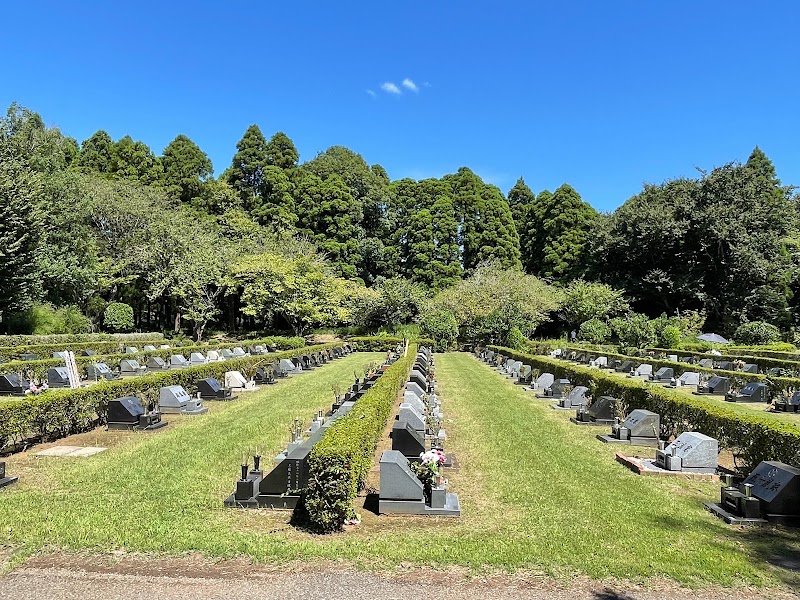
(777, 546)
(609, 594)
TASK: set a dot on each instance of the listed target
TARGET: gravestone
(156, 363)
(98, 371)
(672, 357)
(131, 350)
(5, 479)
(197, 358)
(289, 367)
(401, 492)
(624, 366)
(556, 390)
(752, 392)
(58, 377)
(211, 389)
(771, 493)
(213, 356)
(687, 379)
(60, 355)
(576, 398)
(227, 354)
(239, 352)
(725, 365)
(28, 356)
(87, 353)
(664, 374)
(149, 348)
(525, 373)
(601, 362)
(791, 404)
(264, 375)
(644, 370)
(544, 381)
(12, 384)
(235, 379)
(413, 386)
(178, 361)
(164, 347)
(716, 386)
(750, 368)
(600, 412)
(131, 367)
(419, 405)
(407, 440)
(128, 413)
(414, 418)
(689, 360)
(691, 452)
(640, 428)
(175, 399)
(707, 363)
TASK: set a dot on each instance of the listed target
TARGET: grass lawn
(537, 493)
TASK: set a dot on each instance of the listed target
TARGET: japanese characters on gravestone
(752, 392)
(128, 413)
(97, 371)
(175, 399)
(58, 377)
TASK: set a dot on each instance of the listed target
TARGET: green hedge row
(38, 368)
(381, 342)
(339, 462)
(76, 338)
(752, 437)
(13, 353)
(58, 413)
(738, 378)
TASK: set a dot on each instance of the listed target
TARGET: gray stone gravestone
(149, 348)
(178, 361)
(576, 398)
(640, 428)
(663, 375)
(130, 367)
(716, 386)
(174, 399)
(600, 412)
(410, 415)
(752, 392)
(401, 492)
(58, 377)
(97, 371)
(156, 363)
(197, 358)
(544, 381)
(692, 452)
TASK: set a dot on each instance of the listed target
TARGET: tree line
(273, 242)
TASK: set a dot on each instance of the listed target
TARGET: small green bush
(634, 330)
(757, 332)
(442, 327)
(118, 316)
(515, 339)
(45, 319)
(594, 331)
(670, 337)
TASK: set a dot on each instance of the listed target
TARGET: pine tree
(281, 152)
(186, 168)
(246, 174)
(97, 153)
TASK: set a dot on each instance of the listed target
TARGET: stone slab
(648, 466)
(71, 451)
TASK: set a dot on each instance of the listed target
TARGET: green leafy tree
(97, 154)
(246, 174)
(135, 160)
(520, 200)
(186, 169)
(27, 139)
(281, 152)
(118, 317)
(757, 332)
(585, 300)
(594, 331)
(442, 326)
(634, 330)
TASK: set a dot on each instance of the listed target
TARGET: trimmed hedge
(38, 368)
(380, 342)
(340, 461)
(76, 338)
(752, 437)
(58, 413)
(763, 362)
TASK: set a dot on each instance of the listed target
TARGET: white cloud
(410, 85)
(390, 88)
(371, 93)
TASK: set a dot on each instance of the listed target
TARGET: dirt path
(85, 577)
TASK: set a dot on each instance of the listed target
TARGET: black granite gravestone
(264, 375)
(5, 479)
(624, 366)
(752, 392)
(407, 440)
(212, 389)
(750, 368)
(128, 413)
(58, 377)
(663, 375)
(771, 493)
(791, 404)
(12, 384)
(600, 412)
(716, 386)
(87, 353)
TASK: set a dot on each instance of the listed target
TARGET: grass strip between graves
(753, 437)
(537, 494)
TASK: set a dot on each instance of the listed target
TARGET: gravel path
(59, 578)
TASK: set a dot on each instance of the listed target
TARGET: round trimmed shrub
(118, 316)
(594, 331)
(757, 333)
(515, 339)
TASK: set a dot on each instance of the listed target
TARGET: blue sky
(602, 95)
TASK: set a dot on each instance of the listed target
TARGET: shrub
(45, 319)
(757, 332)
(634, 330)
(594, 331)
(442, 327)
(515, 339)
(670, 337)
(118, 316)
(339, 462)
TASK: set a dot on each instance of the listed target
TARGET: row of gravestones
(280, 486)
(237, 352)
(770, 493)
(129, 413)
(58, 377)
(754, 391)
(707, 363)
(418, 437)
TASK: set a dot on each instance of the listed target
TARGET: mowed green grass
(537, 493)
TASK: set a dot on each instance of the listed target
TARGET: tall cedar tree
(246, 174)
(520, 201)
(186, 168)
(281, 152)
(135, 161)
(97, 154)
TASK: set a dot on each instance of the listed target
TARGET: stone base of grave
(681, 387)
(648, 466)
(708, 394)
(783, 407)
(275, 502)
(176, 410)
(633, 441)
(542, 396)
(573, 408)
(598, 422)
(6, 481)
(451, 508)
(730, 518)
(135, 426)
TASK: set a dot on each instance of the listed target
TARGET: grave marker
(640, 428)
